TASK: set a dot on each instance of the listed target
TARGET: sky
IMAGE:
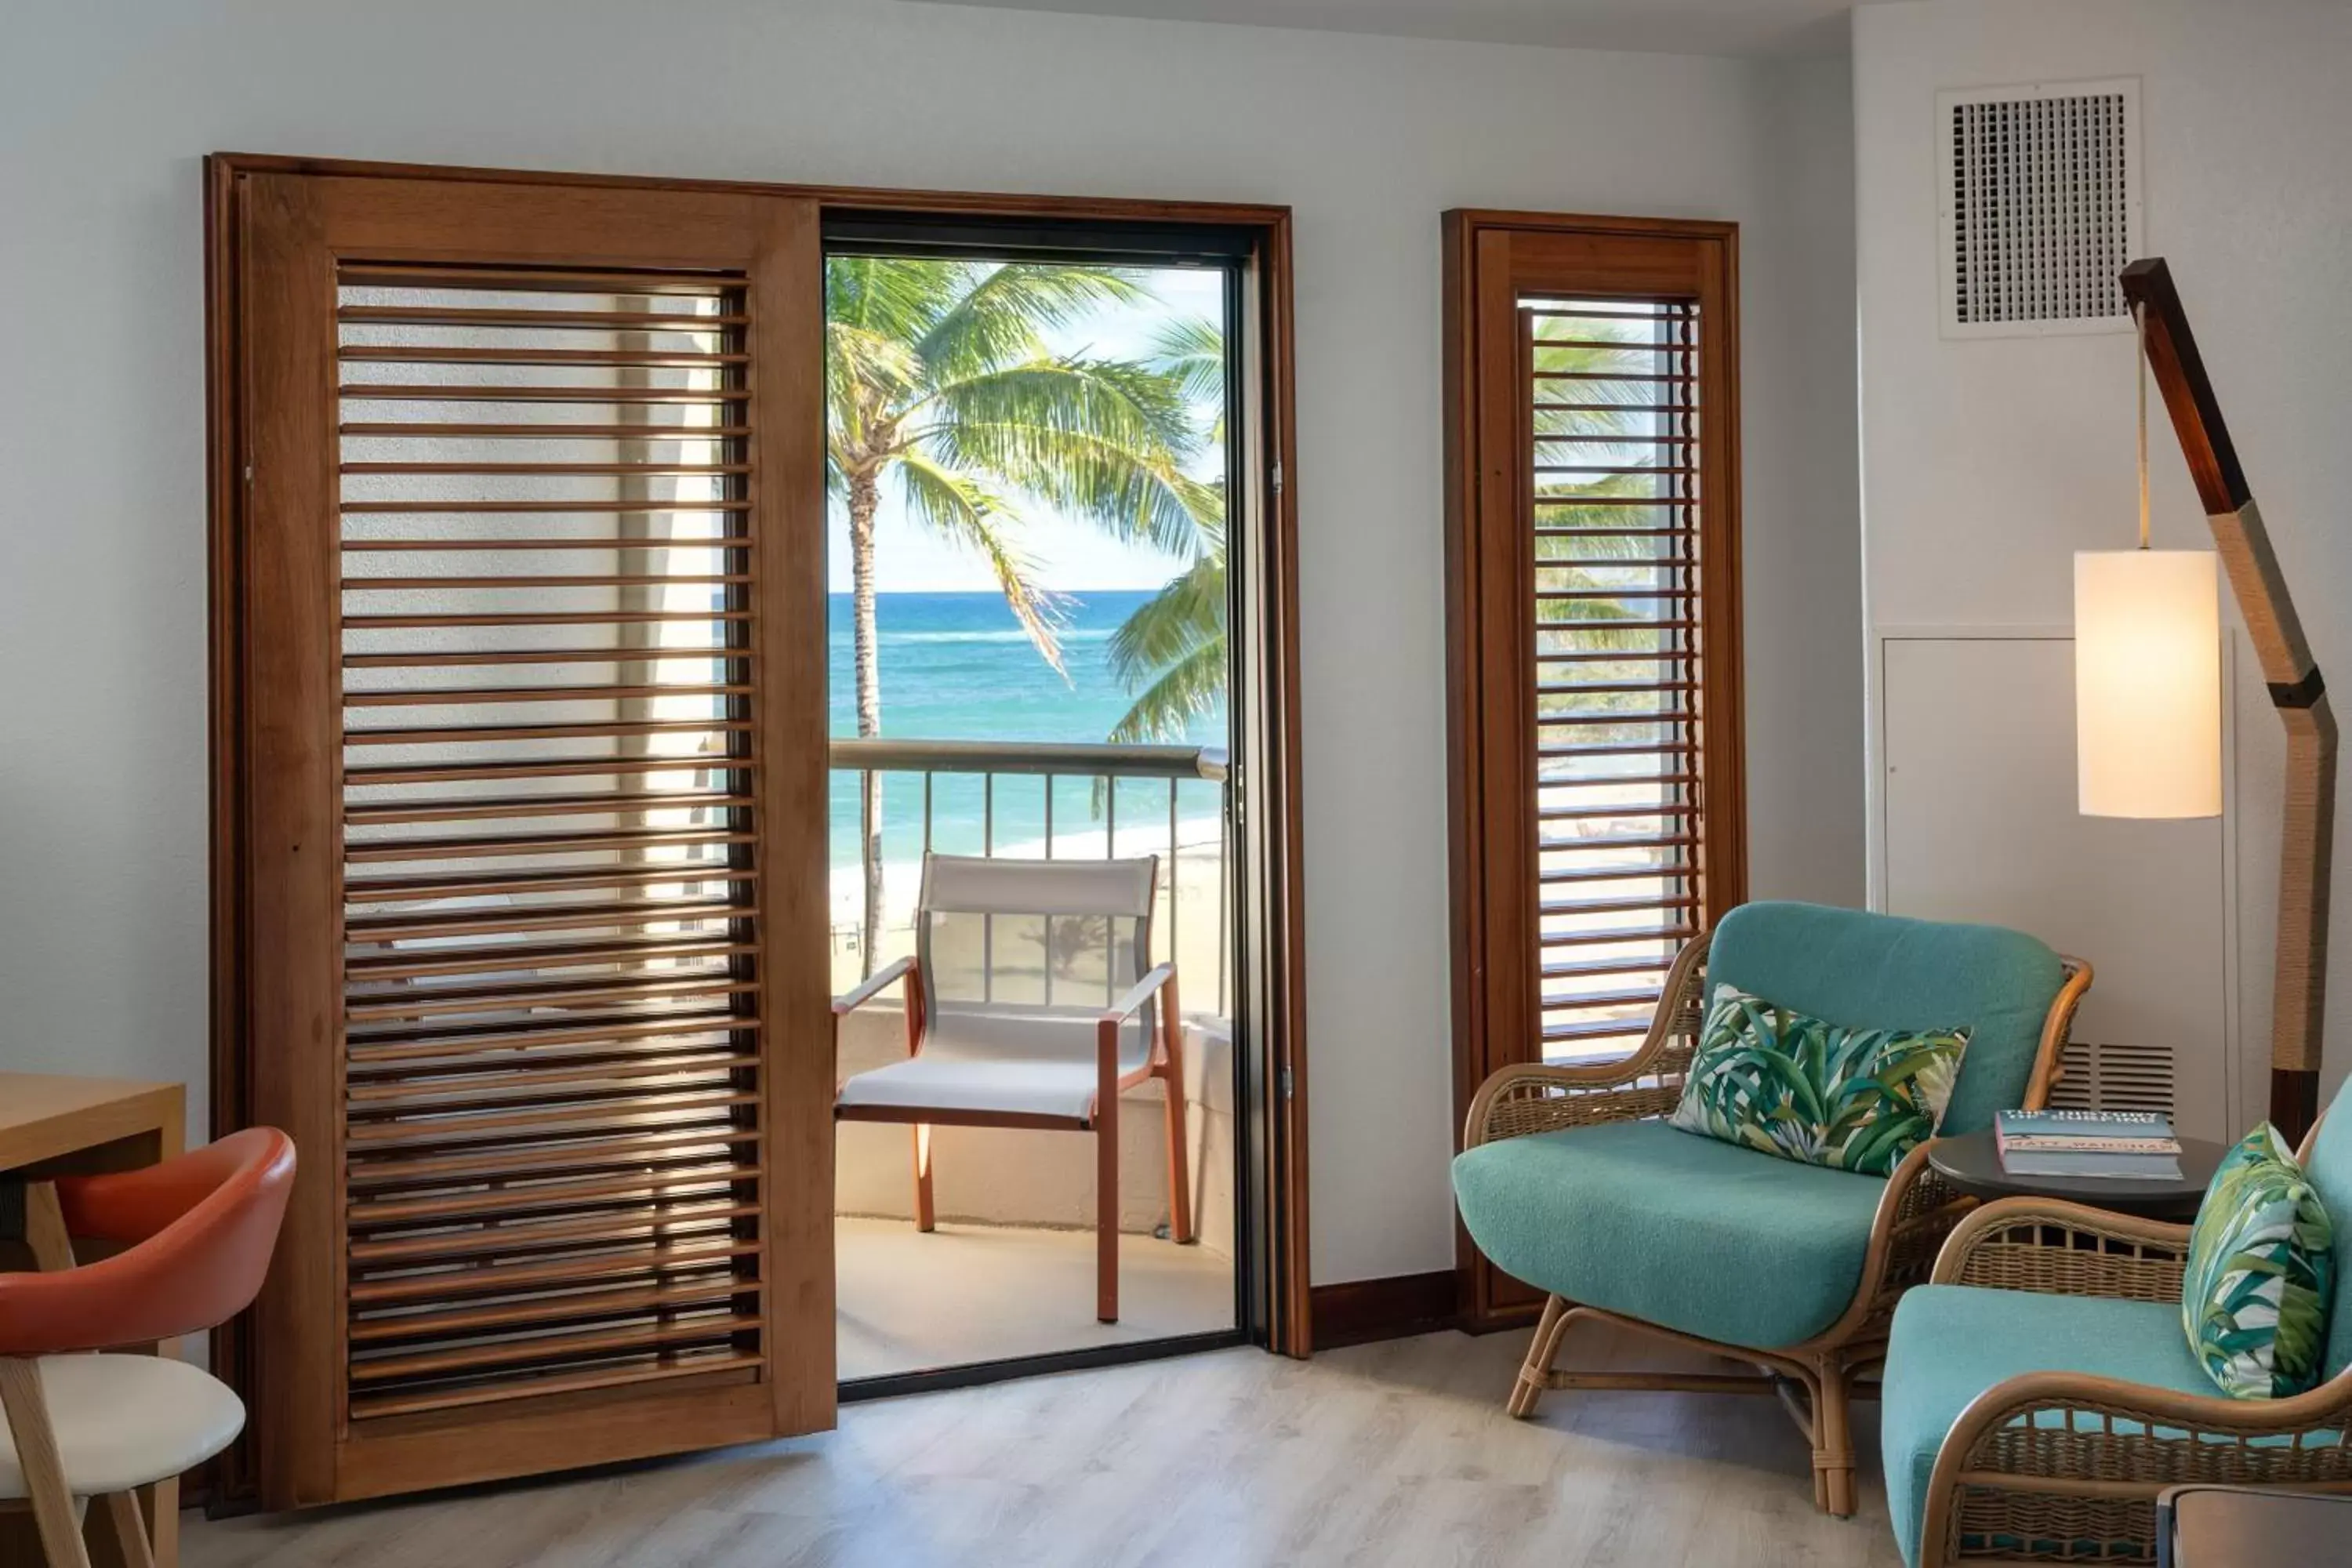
(1071, 556)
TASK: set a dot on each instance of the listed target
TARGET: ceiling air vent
(2041, 205)
(2115, 1077)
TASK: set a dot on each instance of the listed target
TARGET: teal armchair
(1570, 1179)
(2040, 1392)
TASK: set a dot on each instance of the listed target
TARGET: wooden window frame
(1491, 260)
(1269, 794)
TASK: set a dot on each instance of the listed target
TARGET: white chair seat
(941, 1080)
(124, 1421)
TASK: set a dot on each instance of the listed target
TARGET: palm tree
(939, 380)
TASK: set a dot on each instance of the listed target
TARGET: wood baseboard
(1358, 1311)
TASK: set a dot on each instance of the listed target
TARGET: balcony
(1008, 1271)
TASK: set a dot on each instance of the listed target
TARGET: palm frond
(999, 320)
(1186, 689)
(959, 505)
(1097, 439)
(1186, 614)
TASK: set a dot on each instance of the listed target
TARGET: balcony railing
(1049, 800)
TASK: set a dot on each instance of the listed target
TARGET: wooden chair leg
(1833, 1441)
(129, 1527)
(54, 1513)
(1106, 1212)
(1179, 1175)
(1535, 1371)
(926, 1216)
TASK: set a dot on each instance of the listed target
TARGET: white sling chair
(1029, 1004)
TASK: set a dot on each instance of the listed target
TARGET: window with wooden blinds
(1593, 581)
(527, 770)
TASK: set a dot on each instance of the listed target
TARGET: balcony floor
(964, 1293)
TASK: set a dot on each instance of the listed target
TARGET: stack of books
(2117, 1145)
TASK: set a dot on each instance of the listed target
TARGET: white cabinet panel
(1978, 746)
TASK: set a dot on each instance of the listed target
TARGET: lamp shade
(2147, 683)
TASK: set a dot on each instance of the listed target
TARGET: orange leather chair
(198, 1232)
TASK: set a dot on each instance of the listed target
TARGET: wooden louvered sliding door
(522, 725)
(1595, 598)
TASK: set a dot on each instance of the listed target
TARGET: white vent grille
(2041, 207)
(2115, 1077)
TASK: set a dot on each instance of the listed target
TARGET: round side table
(1972, 1161)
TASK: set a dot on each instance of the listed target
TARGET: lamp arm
(2299, 991)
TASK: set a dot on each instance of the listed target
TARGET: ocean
(958, 667)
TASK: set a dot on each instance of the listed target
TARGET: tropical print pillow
(1772, 1078)
(2255, 1296)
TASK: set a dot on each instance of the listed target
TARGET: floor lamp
(2148, 700)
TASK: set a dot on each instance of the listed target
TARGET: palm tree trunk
(864, 497)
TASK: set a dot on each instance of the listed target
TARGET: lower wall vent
(2115, 1077)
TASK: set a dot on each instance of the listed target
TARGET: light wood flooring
(1387, 1454)
(908, 1301)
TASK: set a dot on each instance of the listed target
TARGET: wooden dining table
(50, 1126)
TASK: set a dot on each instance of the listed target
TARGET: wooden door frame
(1485, 535)
(1273, 792)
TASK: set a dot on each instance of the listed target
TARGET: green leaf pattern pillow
(1773, 1080)
(2253, 1298)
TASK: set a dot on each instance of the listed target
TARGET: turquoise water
(958, 667)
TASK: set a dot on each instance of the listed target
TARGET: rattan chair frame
(2060, 1467)
(1815, 1380)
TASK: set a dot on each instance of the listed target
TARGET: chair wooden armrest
(1139, 994)
(2057, 1247)
(881, 980)
(1534, 1097)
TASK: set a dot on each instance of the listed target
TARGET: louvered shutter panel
(1613, 417)
(563, 1120)
(1593, 581)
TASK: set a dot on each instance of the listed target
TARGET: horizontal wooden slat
(374, 623)
(476, 734)
(1628, 808)
(1608, 873)
(650, 469)
(419, 353)
(484, 696)
(470, 808)
(632, 1151)
(1574, 846)
(1541, 407)
(1643, 749)
(1553, 1002)
(572, 1306)
(531, 1056)
(1598, 1029)
(441, 1133)
(1603, 717)
(415, 1002)
(505, 1198)
(460, 923)
(541, 581)
(649, 1371)
(542, 768)
(650, 505)
(525, 1350)
(1615, 906)
(466, 430)
(505, 316)
(1653, 502)
(617, 396)
(1682, 932)
(1575, 968)
(389, 889)
(466, 659)
(440, 276)
(369, 852)
(505, 957)
(1609, 688)
(525, 1237)
(351, 546)
(412, 1046)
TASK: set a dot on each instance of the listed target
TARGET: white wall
(1988, 463)
(106, 109)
